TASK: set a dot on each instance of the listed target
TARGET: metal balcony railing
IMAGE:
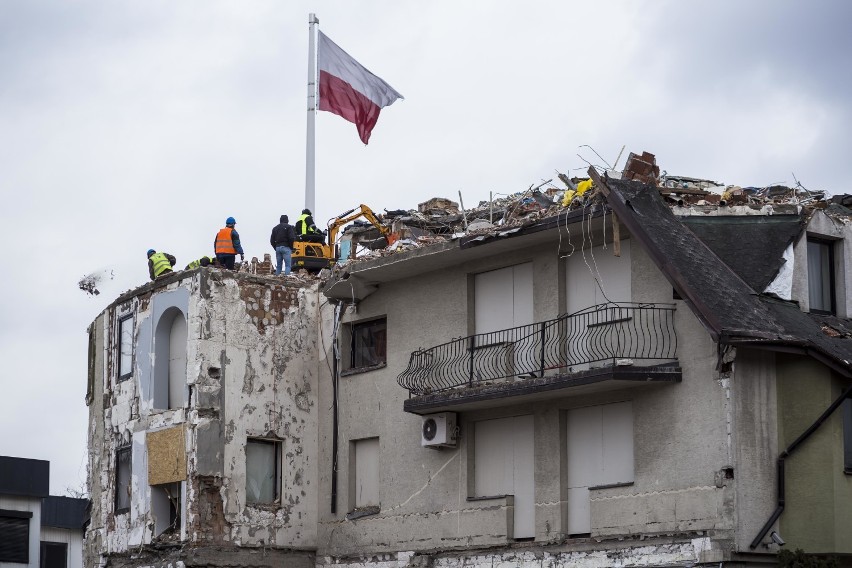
(607, 332)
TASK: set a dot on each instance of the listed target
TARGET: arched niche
(170, 360)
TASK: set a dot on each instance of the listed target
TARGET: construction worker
(227, 244)
(203, 261)
(281, 240)
(306, 230)
(159, 263)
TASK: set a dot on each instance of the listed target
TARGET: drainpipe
(780, 464)
(335, 375)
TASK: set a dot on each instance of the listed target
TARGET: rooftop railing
(604, 334)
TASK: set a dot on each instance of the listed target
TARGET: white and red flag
(348, 89)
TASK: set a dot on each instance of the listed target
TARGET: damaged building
(637, 370)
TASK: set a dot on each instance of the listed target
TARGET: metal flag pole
(310, 153)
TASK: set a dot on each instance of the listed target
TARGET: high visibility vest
(196, 263)
(301, 226)
(161, 263)
(224, 243)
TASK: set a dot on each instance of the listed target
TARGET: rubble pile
(440, 219)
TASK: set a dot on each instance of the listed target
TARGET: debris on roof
(441, 219)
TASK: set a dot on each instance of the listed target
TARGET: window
(166, 507)
(263, 471)
(125, 347)
(369, 344)
(600, 453)
(595, 276)
(846, 408)
(53, 555)
(364, 473)
(15, 536)
(504, 465)
(821, 276)
(503, 298)
(122, 479)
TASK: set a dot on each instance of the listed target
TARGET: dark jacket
(282, 234)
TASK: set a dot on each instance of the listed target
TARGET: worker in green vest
(203, 261)
(159, 263)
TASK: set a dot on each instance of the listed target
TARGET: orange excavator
(316, 256)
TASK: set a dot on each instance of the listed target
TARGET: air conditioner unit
(439, 430)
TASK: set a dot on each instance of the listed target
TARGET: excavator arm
(347, 216)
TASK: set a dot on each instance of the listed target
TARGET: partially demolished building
(646, 372)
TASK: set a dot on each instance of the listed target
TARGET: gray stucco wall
(681, 431)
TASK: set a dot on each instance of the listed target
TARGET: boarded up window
(369, 343)
(365, 472)
(595, 276)
(122, 480)
(504, 465)
(503, 298)
(166, 455)
(263, 471)
(125, 347)
(53, 555)
(15, 536)
(600, 452)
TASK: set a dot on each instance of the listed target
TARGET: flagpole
(310, 153)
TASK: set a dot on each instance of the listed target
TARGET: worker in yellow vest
(159, 263)
(227, 244)
(203, 261)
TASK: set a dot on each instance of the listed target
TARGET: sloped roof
(752, 245)
(730, 309)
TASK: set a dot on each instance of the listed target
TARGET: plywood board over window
(166, 456)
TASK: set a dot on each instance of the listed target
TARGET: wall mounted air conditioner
(439, 430)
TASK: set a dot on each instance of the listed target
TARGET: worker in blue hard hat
(159, 263)
(227, 244)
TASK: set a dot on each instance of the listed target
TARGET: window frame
(24, 517)
(128, 450)
(44, 544)
(832, 275)
(354, 328)
(277, 473)
(124, 376)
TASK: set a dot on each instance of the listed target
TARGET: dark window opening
(166, 506)
(14, 537)
(53, 555)
(263, 472)
(847, 435)
(122, 480)
(369, 343)
(125, 347)
(821, 276)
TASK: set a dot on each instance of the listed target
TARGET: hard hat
(151, 251)
(230, 221)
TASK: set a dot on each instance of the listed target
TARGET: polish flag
(348, 89)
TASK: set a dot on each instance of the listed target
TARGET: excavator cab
(315, 256)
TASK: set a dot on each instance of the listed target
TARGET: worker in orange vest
(227, 244)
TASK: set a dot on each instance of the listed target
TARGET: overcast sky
(139, 124)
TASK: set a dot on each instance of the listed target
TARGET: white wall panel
(367, 472)
(599, 452)
(613, 272)
(504, 464)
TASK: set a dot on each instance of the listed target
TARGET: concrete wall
(682, 431)
(817, 515)
(251, 372)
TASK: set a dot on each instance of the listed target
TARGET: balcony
(599, 348)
